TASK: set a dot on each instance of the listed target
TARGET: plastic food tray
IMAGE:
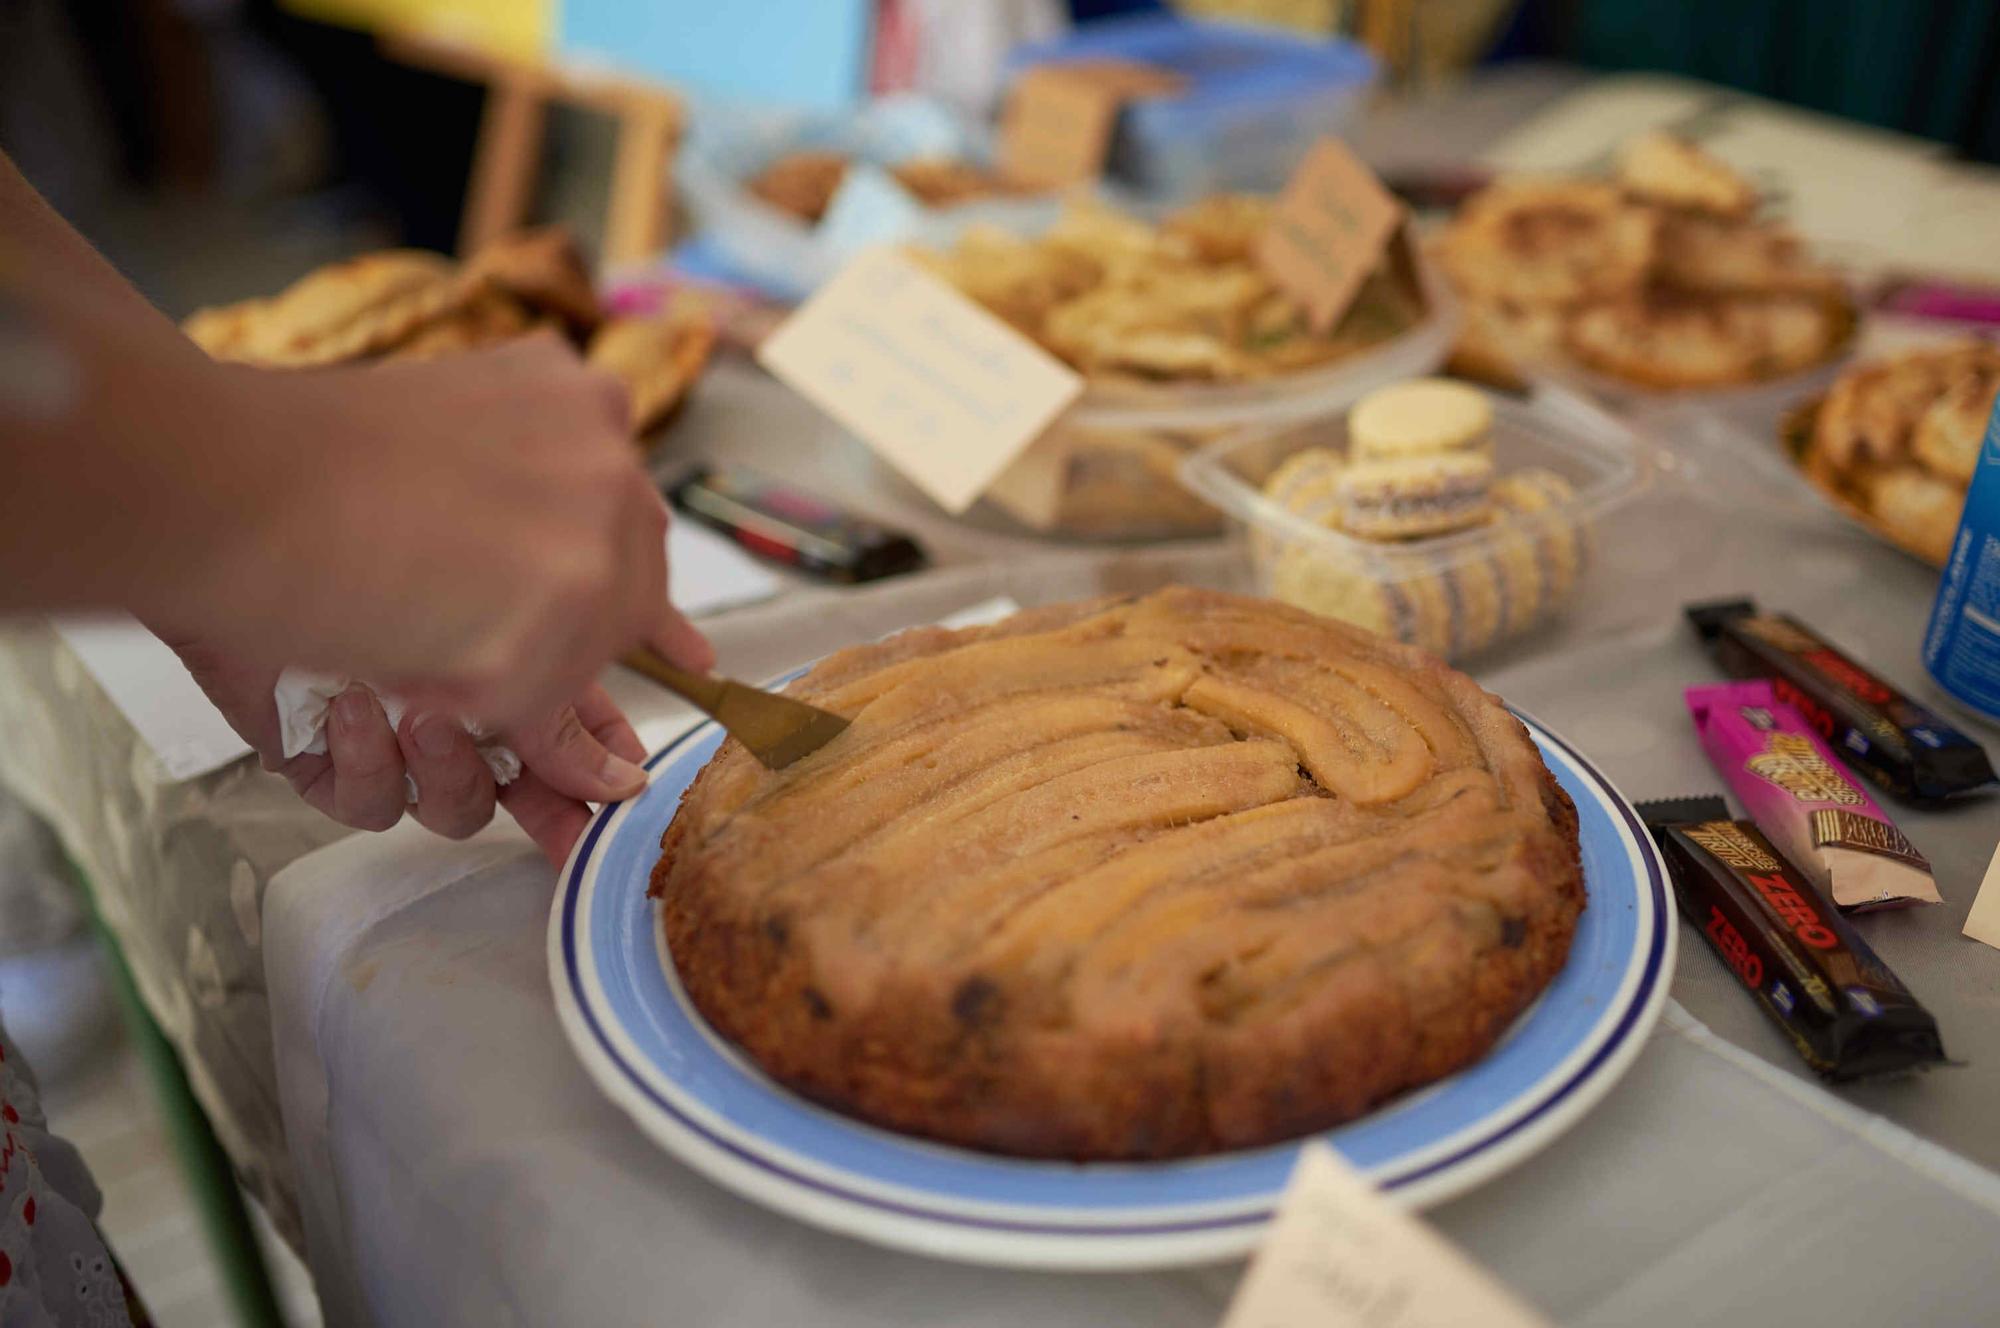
(1119, 450)
(1445, 587)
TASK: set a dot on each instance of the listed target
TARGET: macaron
(1341, 584)
(1303, 484)
(1407, 499)
(1535, 497)
(1419, 418)
(1477, 592)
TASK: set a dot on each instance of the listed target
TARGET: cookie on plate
(1665, 169)
(1550, 242)
(1915, 508)
(1948, 434)
(1670, 341)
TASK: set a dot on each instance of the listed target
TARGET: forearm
(125, 465)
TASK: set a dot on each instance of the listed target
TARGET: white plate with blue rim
(650, 1052)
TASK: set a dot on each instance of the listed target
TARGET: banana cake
(1126, 879)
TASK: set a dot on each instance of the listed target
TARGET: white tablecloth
(458, 1167)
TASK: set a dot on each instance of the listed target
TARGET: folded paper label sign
(1340, 1255)
(1328, 232)
(940, 389)
(1983, 922)
(1056, 128)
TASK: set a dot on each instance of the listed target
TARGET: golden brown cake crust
(1126, 879)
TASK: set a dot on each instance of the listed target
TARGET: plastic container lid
(1225, 64)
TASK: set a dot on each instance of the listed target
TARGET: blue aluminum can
(1962, 644)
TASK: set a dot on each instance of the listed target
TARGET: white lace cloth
(54, 1270)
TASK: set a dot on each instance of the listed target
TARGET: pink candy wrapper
(1805, 801)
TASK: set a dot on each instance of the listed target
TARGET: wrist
(226, 549)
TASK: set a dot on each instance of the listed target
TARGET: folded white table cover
(457, 1165)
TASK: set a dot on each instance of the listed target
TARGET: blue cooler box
(1255, 101)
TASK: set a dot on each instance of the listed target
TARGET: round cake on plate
(1126, 879)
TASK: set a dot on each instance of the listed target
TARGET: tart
(1126, 879)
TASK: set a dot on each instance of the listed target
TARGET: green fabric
(1921, 66)
(224, 1218)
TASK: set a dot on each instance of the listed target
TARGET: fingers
(548, 800)
(572, 760)
(551, 819)
(607, 723)
(369, 792)
(682, 642)
(455, 790)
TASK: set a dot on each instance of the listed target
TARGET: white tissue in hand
(305, 697)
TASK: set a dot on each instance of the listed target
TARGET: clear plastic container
(1255, 100)
(1455, 594)
(1110, 466)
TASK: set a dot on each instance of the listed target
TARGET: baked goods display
(1126, 879)
(1123, 300)
(802, 184)
(409, 304)
(1163, 320)
(1894, 441)
(1418, 466)
(1661, 277)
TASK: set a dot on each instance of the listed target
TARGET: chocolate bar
(1847, 1014)
(1884, 734)
(1804, 801)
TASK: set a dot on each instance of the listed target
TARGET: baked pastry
(1662, 168)
(544, 271)
(1131, 304)
(1550, 242)
(1894, 441)
(1422, 495)
(1706, 255)
(1416, 418)
(1659, 276)
(1126, 879)
(406, 304)
(942, 182)
(1669, 341)
(658, 360)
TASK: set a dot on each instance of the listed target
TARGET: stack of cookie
(408, 304)
(1438, 549)
(1663, 277)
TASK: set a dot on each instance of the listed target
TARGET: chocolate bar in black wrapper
(1879, 731)
(1848, 1015)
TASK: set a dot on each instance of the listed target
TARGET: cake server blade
(777, 729)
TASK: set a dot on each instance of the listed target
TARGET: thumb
(570, 759)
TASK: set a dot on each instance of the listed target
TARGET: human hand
(580, 753)
(474, 532)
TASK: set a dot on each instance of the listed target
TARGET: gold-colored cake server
(778, 730)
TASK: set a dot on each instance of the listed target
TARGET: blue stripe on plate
(959, 1175)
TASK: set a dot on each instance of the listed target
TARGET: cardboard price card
(1339, 1255)
(1328, 232)
(1056, 128)
(940, 389)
